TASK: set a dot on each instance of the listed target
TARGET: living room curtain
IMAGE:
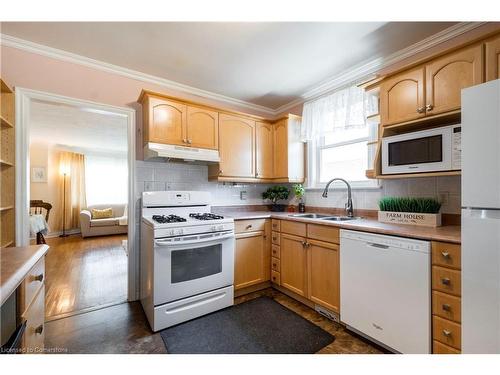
(72, 169)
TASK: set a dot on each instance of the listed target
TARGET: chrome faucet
(348, 206)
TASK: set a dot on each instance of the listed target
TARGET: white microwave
(429, 150)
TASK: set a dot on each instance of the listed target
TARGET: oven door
(189, 265)
(425, 151)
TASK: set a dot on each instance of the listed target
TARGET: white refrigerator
(481, 218)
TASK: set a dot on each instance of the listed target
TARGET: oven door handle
(196, 241)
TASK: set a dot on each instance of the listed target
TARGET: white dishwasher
(385, 291)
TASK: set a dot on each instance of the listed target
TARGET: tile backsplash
(185, 176)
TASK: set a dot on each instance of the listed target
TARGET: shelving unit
(7, 166)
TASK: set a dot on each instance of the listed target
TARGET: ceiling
(267, 64)
(79, 128)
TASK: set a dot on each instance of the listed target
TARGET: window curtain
(342, 109)
(72, 170)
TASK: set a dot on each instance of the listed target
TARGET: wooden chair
(38, 207)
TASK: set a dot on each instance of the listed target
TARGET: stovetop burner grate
(206, 216)
(168, 219)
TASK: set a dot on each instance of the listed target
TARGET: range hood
(159, 150)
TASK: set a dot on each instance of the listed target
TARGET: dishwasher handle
(377, 245)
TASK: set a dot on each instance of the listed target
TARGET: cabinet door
(323, 273)
(264, 150)
(493, 58)
(281, 149)
(448, 75)
(236, 146)
(294, 264)
(250, 258)
(202, 128)
(402, 97)
(166, 122)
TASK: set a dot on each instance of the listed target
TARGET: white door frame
(24, 97)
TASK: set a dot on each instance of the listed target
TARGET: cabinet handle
(184, 140)
(189, 141)
(445, 281)
(265, 236)
(445, 254)
(39, 329)
(446, 333)
(446, 307)
(275, 238)
(420, 110)
(308, 244)
(37, 277)
(249, 226)
(256, 175)
(429, 107)
(221, 172)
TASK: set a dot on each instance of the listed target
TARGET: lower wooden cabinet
(294, 264)
(324, 274)
(252, 256)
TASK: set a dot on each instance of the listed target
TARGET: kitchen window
(337, 134)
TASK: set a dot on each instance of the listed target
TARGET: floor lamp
(64, 169)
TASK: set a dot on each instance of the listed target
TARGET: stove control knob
(180, 231)
(220, 227)
(172, 232)
(214, 228)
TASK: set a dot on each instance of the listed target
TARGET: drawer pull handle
(445, 254)
(275, 238)
(446, 307)
(37, 277)
(249, 226)
(420, 110)
(446, 333)
(39, 329)
(429, 107)
(445, 281)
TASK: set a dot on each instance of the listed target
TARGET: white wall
(184, 176)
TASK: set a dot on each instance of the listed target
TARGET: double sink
(325, 217)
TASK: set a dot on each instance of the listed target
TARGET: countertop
(446, 233)
(15, 263)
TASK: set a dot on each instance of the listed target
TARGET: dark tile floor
(123, 328)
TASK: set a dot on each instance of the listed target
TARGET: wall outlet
(243, 195)
(444, 198)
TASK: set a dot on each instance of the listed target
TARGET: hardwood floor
(124, 329)
(84, 273)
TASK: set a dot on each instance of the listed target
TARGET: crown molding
(360, 72)
(368, 68)
(58, 54)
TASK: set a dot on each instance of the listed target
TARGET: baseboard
(58, 233)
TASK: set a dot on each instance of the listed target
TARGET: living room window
(337, 134)
(106, 179)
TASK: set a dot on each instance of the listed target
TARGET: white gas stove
(187, 257)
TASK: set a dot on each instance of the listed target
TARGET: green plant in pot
(299, 192)
(275, 194)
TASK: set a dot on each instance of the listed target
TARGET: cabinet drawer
(293, 227)
(446, 255)
(323, 233)
(275, 277)
(34, 335)
(446, 280)
(446, 306)
(242, 226)
(275, 265)
(439, 348)
(276, 251)
(275, 238)
(31, 284)
(276, 225)
(447, 332)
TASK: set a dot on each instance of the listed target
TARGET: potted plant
(275, 194)
(299, 192)
(415, 211)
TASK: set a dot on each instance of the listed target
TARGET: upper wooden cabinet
(431, 89)
(236, 146)
(493, 58)
(448, 75)
(264, 150)
(202, 128)
(288, 150)
(164, 121)
(402, 97)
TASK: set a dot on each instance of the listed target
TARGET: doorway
(75, 187)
